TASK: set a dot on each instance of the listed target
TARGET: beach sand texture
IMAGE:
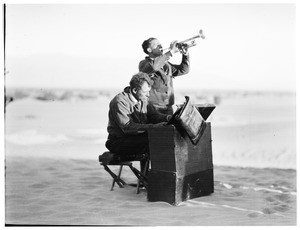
(53, 177)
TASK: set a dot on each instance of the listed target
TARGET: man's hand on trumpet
(175, 46)
(183, 48)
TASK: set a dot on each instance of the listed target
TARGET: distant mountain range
(60, 94)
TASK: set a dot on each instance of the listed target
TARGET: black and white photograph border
(64, 62)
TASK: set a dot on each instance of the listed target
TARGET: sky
(247, 46)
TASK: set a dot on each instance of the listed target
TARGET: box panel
(171, 150)
(173, 189)
(190, 158)
(162, 148)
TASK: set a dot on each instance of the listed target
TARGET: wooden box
(179, 170)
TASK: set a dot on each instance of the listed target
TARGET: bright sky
(247, 46)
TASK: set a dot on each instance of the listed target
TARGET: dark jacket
(162, 91)
(128, 117)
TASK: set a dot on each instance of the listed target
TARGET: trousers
(129, 145)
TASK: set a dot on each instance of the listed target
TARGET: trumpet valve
(193, 43)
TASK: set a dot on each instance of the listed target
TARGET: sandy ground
(53, 177)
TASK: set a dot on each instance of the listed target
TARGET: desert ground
(53, 177)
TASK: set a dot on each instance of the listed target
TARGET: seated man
(130, 115)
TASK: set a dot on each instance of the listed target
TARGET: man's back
(162, 92)
(130, 115)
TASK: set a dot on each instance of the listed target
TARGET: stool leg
(119, 181)
(144, 169)
(118, 178)
(138, 187)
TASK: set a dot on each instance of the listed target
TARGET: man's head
(152, 47)
(140, 85)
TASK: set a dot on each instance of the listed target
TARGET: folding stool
(108, 159)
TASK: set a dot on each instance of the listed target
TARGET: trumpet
(188, 42)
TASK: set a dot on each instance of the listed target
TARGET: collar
(150, 58)
(131, 97)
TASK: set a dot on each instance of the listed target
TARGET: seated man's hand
(161, 124)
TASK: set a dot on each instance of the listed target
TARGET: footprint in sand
(253, 215)
(238, 193)
(66, 175)
(283, 197)
(268, 211)
(38, 185)
(50, 168)
(270, 199)
(282, 208)
(234, 194)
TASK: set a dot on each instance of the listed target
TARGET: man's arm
(154, 116)
(183, 68)
(158, 62)
(121, 114)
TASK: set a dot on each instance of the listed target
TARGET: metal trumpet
(189, 42)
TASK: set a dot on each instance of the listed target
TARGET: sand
(53, 177)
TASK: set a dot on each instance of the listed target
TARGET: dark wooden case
(179, 170)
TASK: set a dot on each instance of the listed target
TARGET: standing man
(162, 72)
(130, 115)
